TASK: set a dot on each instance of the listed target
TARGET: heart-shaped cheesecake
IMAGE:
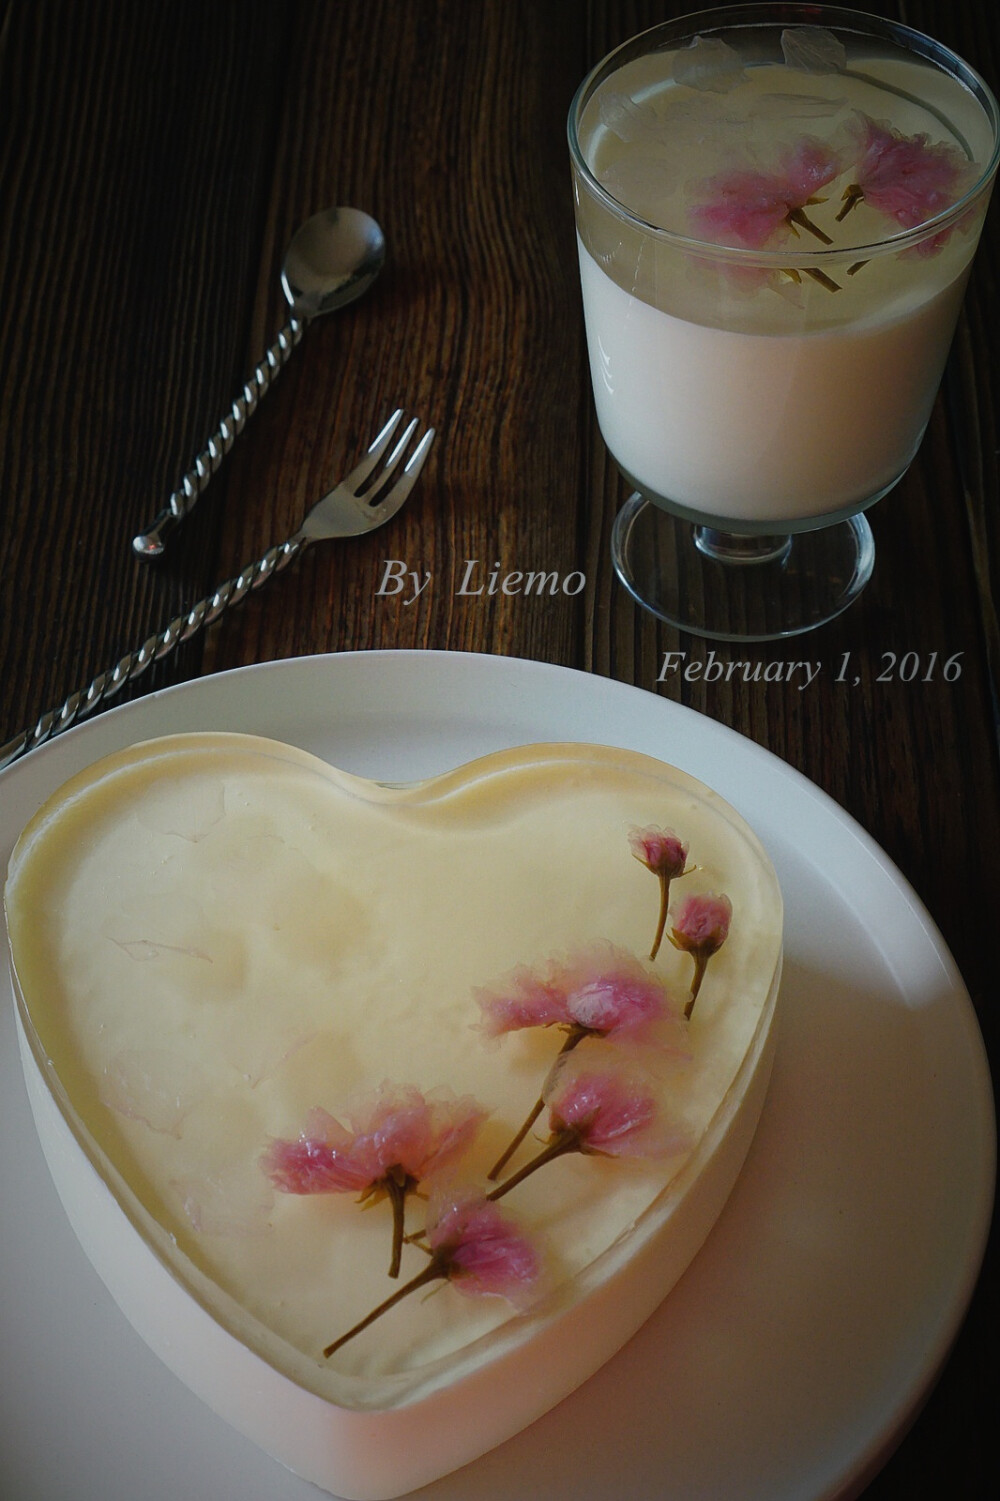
(254, 990)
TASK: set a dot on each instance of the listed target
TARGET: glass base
(733, 587)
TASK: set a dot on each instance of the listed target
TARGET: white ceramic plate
(797, 1346)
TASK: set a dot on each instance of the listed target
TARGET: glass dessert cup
(777, 208)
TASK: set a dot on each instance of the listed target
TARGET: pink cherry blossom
(701, 922)
(601, 1113)
(747, 208)
(611, 1115)
(324, 1158)
(472, 1244)
(602, 991)
(611, 993)
(483, 1249)
(394, 1141)
(904, 177)
(662, 852)
(399, 1128)
(525, 999)
(701, 927)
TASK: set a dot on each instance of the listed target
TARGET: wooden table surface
(154, 162)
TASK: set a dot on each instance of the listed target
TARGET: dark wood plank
(135, 163)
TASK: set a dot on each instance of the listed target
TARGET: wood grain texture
(154, 162)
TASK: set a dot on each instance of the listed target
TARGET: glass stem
(738, 548)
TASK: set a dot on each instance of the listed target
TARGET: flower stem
(822, 278)
(565, 1141)
(435, 1268)
(799, 217)
(576, 1036)
(397, 1188)
(662, 923)
(700, 966)
(512, 1147)
(853, 195)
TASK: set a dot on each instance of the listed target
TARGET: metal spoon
(332, 260)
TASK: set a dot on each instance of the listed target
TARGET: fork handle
(132, 666)
(151, 542)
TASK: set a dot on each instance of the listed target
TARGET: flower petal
(746, 207)
(660, 850)
(324, 1159)
(613, 1114)
(486, 1252)
(701, 922)
(906, 177)
(525, 999)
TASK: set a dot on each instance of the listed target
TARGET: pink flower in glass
(665, 855)
(395, 1141)
(905, 177)
(747, 208)
(701, 927)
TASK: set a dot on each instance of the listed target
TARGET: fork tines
(372, 486)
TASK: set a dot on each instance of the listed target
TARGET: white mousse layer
(213, 934)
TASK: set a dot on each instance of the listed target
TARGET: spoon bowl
(332, 260)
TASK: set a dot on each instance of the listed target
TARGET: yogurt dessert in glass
(777, 208)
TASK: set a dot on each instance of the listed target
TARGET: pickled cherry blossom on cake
(601, 1113)
(486, 1252)
(700, 928)
(612, 1115)
(702, 922)
(749, 208)
(603, 990)
(325, 1158)
(470, 1242)
(665, 854)
(394, 1141)
(398, 1128)
(660, 850)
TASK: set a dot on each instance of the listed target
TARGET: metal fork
(366, 499)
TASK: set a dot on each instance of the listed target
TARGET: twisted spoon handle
(150, 543)
(132, 666)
